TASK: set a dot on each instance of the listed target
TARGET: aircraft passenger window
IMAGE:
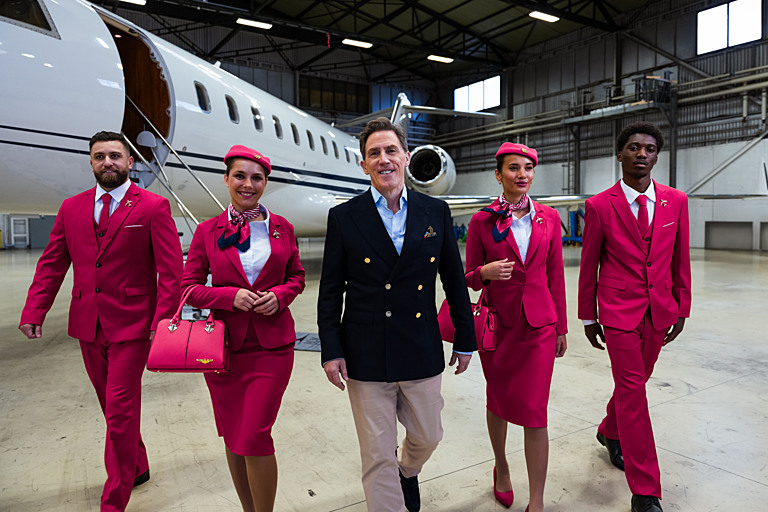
(202, 98)
(335, 149)
(28, 13)
(257, 119)
(311, 140)
(295, 131)
(357, 159)
(325, 145)
(346, 152)
(278, 127)
(234, 115)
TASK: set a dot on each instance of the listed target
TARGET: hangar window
(257, 119)
(729, 24)
(478, 96)
(311, 140)
(335, 149)
(234, 115)
(278, 127)
(325, 144)
(202, 98)
(295, 131)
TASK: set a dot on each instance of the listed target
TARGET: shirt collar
(117, 193)
(632, 194)
(378, 197)
(266, 215)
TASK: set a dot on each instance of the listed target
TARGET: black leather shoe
(645, 503)
(410, 488)
(142, 478)
(614, 450)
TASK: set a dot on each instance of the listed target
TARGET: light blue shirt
(393, 222)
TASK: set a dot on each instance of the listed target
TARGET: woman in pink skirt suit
(253, 260)
(514, 249)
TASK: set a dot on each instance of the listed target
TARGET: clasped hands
(500, 270)
(265, 303)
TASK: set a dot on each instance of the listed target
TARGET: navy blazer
(389, 329)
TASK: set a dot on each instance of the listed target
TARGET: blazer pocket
(612, 282)
(140, 290)
(358, 317)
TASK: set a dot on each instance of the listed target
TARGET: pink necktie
(642, 213)
(106, 199)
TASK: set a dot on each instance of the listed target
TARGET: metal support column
(673, 140)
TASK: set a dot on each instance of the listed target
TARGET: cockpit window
(30, 14)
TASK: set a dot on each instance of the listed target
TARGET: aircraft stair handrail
(160, 136)
(178, 200)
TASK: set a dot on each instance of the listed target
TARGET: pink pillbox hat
(509, 148)
(251, 154)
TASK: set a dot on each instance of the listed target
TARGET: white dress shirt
(254, 259)
(117, 194)
(521, 229)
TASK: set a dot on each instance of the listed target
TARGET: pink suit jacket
(624, 275)
(537, 287)
(282, 274)
(130, 284)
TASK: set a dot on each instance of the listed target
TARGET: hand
(592, 332)
(500, 270)
(266, 304)
(32, 331)
(674, 331)
(336, 370)
(463, 360)
(562, 345)
(244, 299)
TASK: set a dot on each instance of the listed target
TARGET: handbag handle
(482, 300)
(173, 324)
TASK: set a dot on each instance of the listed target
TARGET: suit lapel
(621, 206)
(86, 224)
(512, 241)
(116, 220)
(231, 252)
(371, 228)
(277, 245)
(538, 230)
(660, 215)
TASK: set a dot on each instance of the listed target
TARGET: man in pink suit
(635, 280)
(124, 248)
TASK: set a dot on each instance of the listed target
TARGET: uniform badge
(539, 220)
(430, 232)
(128, 203)
(276, 234)
(663, 203)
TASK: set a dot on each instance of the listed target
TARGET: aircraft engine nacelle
(431, 171)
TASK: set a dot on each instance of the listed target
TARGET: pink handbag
(485, 324)
(189, 346)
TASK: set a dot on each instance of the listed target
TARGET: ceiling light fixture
(359, 44)
(543, 17)
(437, 58)
(137, 2)
(256, 24)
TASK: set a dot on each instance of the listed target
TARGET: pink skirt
(246, 399)
(518, 373)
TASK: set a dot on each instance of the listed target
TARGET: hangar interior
(566, 88)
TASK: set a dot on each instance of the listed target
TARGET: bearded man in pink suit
(635, 294)
(123, 245)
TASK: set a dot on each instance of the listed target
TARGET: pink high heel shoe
(505, 498)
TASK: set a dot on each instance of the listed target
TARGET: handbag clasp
(172, 326)
(209, 328)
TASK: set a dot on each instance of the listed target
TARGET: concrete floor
(708, 404)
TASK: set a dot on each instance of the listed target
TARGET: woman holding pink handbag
(515, 254)
(253, 260)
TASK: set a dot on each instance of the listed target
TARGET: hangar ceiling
(480, 35)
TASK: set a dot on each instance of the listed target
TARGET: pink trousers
(633, 355)
(115, 370)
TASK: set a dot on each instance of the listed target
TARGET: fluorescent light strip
(257, 24)
(543, 17)
(360, 44)
(137, 2)
(437, 58)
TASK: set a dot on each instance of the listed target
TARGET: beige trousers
(376, 408)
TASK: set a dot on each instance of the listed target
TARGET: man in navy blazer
(383, 250)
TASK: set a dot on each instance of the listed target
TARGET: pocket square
(134, 226)
(668, 224)
(430, 232)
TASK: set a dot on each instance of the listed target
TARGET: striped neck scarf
(504, 210)
(238, 231)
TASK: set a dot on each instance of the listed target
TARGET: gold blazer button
(367, 260)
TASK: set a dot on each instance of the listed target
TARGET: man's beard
(110, 181)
